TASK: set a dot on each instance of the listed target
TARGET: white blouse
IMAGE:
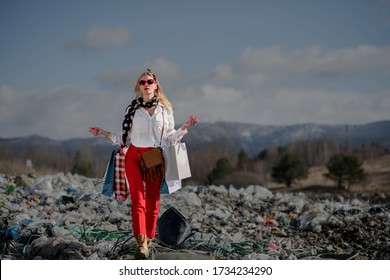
(146, 129)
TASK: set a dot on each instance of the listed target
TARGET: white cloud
(118, 79)
(8, 99)
(123, 79)
(220, 95)
(282, 106)
(60, 113)
(273, 64)
(345, 62)
(252, 90)
(270, 59)
(100, 39)
(223, 72)
(67, 111)
(165, 70)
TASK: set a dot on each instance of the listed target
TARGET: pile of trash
(65, 216)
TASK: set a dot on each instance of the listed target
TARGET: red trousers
(145, 197)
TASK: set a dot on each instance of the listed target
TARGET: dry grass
(378, 175)
(19, 167)
(378, 178)
(13, 168)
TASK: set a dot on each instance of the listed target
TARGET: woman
(148, 123)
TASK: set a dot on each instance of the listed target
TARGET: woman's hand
(192, 120)
(95, 131)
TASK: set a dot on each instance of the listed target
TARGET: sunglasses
(149, 82)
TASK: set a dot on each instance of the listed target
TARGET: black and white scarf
(130, 112)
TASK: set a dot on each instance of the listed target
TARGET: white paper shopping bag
(176, 162)
(169, 187)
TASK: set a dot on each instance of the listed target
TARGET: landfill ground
(64, 216)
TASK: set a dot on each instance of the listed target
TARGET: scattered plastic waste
(273, 245)
(271, 222)
(64, 216)
(173, 228)
(71, 190)
(10, 187)
(14, 232)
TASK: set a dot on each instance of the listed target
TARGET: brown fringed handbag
(152, 164)
(152, 161)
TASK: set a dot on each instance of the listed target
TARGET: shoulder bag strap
(162, 130)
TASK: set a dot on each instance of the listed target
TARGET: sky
(69, 65)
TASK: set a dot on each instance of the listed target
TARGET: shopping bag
(121, 189)
(168, 187)
(176, 161)
(114, 180)
(108, 179)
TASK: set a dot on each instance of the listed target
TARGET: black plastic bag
(173, 228)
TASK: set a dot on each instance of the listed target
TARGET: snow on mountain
(251, 138)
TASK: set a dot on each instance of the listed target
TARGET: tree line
(211, 164)
(290, 163)
(48, 158)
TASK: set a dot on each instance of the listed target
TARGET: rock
(190, 199)
(58, 249)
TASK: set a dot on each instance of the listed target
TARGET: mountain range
(251, 138)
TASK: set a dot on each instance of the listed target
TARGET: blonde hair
(158, 92)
